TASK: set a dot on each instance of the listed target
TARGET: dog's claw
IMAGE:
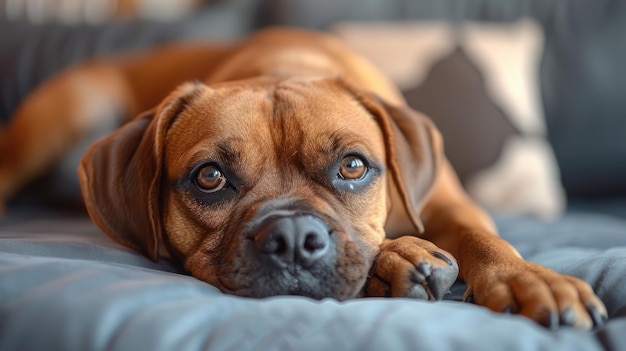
(568, 317)
(598, 317)
(442, 257)
(553, 320)
(430, 280)
(425, 269)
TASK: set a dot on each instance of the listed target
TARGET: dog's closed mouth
(302, 282)
(277, 277)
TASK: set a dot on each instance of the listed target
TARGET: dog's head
(264, 187)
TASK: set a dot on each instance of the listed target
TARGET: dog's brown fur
(280, 110)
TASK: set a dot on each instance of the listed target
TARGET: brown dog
(297, 169)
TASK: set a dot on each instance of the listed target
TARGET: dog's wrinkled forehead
(270, 122)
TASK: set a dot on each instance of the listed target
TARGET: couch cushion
(479, 83)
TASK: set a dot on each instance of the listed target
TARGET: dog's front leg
(496, 275)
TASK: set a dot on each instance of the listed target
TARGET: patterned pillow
(479, 83)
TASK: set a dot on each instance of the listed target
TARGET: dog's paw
(531, 290)
(411, 267)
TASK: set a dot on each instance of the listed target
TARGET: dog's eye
(210, 179)
(352, 168)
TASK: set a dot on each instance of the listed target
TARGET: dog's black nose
(300, 239)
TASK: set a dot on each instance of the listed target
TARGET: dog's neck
(281, 63)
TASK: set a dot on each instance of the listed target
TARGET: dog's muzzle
(291, 252)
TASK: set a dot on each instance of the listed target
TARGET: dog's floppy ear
(414, 151)
(120, 176)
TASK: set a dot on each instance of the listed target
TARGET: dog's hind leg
(54, 118)
(82, 102)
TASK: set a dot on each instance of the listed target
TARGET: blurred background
(530, 95)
